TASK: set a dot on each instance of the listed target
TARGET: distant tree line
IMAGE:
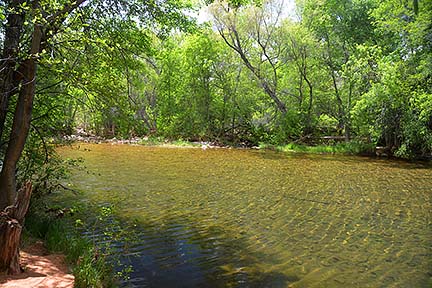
(357, 69)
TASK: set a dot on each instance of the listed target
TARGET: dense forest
(254, 72)
(358, 69)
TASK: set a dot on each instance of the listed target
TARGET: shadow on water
(178, 252)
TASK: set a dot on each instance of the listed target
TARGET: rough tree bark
(12, 216)
(21, 121)
(14, 204)
(8, 62)
(11, 223)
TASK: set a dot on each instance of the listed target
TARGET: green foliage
(61, 229)
(332, 74)
(355, 68)
(89, 267)
(92, 271)
(152, 141)
(41, 164)
(354, 148)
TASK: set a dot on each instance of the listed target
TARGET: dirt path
(41, 270)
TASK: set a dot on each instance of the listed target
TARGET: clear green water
(245, 218)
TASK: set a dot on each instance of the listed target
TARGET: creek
(252, 218)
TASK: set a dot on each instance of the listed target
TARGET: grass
(339, 148)
(89, 268)
(352, 148)
(184, 143)
(151, 141)
(160, 141)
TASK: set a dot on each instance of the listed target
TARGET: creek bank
(326, 145)
(41, 270)
(60, 235)
(147, 141)
(339, 148)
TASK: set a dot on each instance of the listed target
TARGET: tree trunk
(272, 93)
(21, 123)
(20, 129)
(12, 216)
(11, 223)
(237, 47)
(347, 115)
(13, 204)
(12, 38)
(309, 128)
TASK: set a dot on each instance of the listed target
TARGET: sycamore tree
(251, 31)
(33, 32)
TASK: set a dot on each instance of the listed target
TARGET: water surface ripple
(245, 218)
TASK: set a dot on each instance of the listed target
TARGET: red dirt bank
(40, 270)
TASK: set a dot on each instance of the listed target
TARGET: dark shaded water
(242, 218)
